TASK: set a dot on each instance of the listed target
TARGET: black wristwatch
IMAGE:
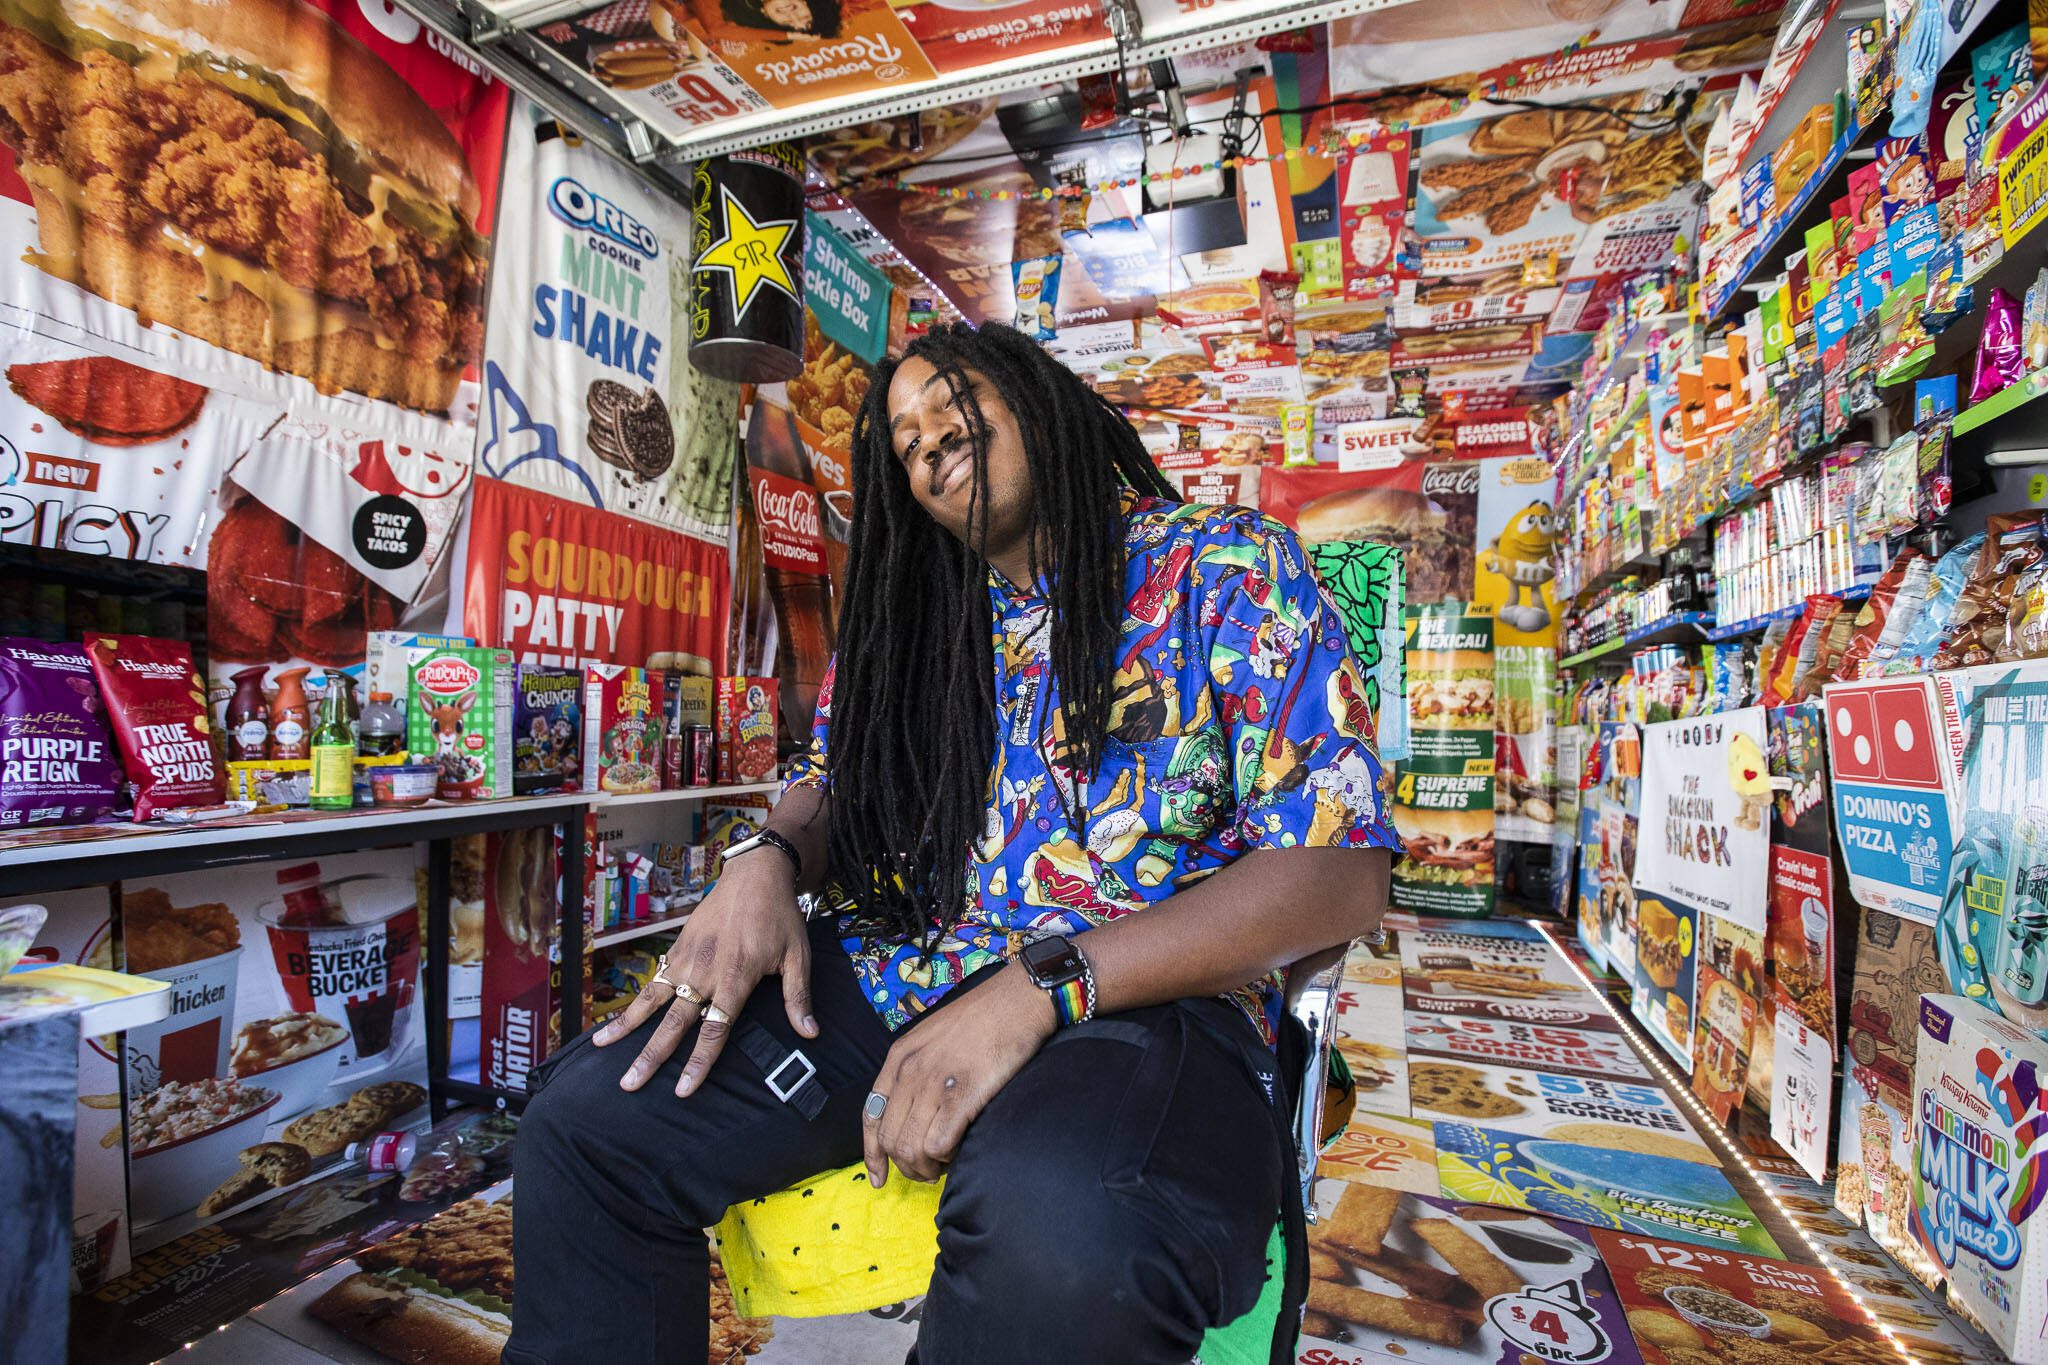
(1056, 966)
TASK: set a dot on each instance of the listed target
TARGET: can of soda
(700, 756)
(747, 265)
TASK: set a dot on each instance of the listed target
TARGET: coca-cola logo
(1451, 478)
(794, 510)
(447, 675)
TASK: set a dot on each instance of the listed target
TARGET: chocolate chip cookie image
(1460, 1090)
(630, 431)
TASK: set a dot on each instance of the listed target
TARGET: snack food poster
(1629, 1186)
(1443, 793)
(1429, 511)
(1893, 753)
(1679, 1297)
(265, 276)
(558, 583)
(1989, 929)
(853, 46)
(1706, 807)
(1406, 1276)
(1607, 852)
(580, 376)
(1667, 954)
(296, 1029)
(637, 51)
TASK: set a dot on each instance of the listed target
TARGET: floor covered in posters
(1524, 1180)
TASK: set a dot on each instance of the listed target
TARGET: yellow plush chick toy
(1521, 555)
(1750, 779)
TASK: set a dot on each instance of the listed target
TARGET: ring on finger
(876, 1103)
(712, 1014)
(689, 994)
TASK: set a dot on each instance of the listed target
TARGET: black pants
(1112, 1203)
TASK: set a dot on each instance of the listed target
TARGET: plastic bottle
(291, 718)
(334, 752)
(248, 717)
(383, 727)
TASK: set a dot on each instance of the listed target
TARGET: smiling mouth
(954, 469)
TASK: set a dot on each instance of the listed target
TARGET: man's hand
(942, 1074)
(748, 927)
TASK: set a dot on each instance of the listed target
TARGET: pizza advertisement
(1630, 1186)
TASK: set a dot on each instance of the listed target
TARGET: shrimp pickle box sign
(1980, 1167)
(459, 710)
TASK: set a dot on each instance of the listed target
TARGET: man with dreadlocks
(1091, 768)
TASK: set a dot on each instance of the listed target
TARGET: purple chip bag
(57, 759)
(2001, 355)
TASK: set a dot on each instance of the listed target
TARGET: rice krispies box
(547, 729)
(456, 716)
(1980, 1167)
(621, 729)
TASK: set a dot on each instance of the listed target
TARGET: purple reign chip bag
(57, 760)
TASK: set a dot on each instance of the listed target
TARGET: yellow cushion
(833, 1244)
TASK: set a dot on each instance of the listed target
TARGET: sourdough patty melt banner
(578, 378)
(557, 583)
(304, 262)
(1706, 815)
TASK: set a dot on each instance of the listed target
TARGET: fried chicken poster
(296, 212)
(583, 396)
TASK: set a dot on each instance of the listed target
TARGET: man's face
(790, 14)
(929, 433)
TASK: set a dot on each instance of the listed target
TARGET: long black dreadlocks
(914, 706)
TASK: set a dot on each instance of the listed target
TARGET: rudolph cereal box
(458, 715)
(621, 729)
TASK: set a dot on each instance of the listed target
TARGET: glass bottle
(334, 753)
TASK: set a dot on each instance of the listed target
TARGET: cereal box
(746, 730)
(621, 729)
(458, 705)
(390, 654)
(1980, 1167)
(547, 729)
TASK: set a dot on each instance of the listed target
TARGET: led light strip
(1720, 1142)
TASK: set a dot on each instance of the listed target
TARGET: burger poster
(1444, 792)
(1706, 815)
(1667, 951)
(326, 243)
(652, 66)
(1429, 511)
(580, 375)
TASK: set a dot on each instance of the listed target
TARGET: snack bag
(57, 761)
(1881, 623)
(1923, 637)
(1937, 483)
(2000, 357)
(158, 706)
(2012, 548)
(1037, 283)
(1277, 291)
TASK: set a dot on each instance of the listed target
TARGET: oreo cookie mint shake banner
(580, 375)
(558, 583)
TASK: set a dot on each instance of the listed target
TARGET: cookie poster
(1706, 815)
(335, 263)
(295, 1029)
(558, 583)
(578, 377)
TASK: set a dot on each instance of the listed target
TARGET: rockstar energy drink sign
(747, 266)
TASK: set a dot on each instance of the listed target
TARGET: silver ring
(715, 1015)
(877, 1102)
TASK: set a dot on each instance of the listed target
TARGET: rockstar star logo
(751, 253)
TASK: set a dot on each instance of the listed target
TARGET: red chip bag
(158, 708)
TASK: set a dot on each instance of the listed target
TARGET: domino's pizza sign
(1892, 752)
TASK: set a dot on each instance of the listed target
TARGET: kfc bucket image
(197, 949)
(349, 951)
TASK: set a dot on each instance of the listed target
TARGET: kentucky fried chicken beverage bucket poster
(301, 204)
(1443, 794)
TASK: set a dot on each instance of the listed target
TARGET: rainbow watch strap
(1070, 1001)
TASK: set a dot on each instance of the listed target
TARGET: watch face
(1052, 960)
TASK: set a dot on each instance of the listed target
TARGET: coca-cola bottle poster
(788, 510)
(295, 1024)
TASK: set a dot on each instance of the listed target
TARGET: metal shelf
(1680, 627)
(1757, 625)
(626, 933)
(687, 795)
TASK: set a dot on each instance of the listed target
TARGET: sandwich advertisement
(580, 381)
(1443, 796)
(1706, 815)
(1667, 972)
(302, 215)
